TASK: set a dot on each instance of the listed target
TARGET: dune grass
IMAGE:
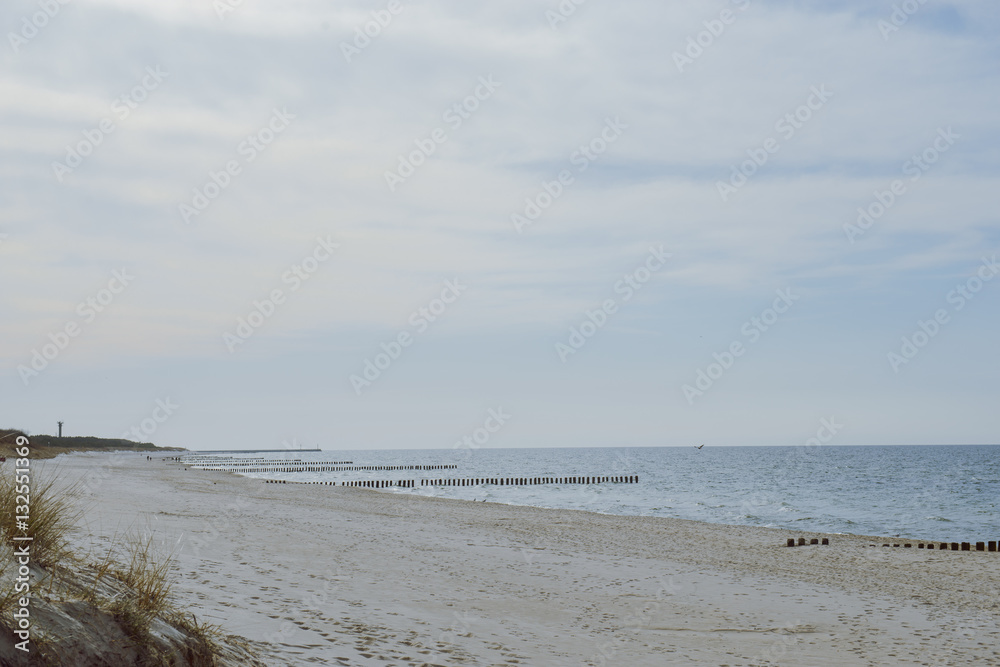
(131, 580)
(53, 510)
(8, 593)
(146, 573)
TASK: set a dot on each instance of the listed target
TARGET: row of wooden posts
(313, 467)
(802, 541)
(513, 481)
(955, 546)
(943, 546)
(525, 481)
(365, 483)
(230, 461)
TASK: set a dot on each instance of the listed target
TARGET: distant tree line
(75, 442)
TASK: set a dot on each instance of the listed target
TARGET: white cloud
(325, 173)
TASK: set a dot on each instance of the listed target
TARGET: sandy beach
(344, 576)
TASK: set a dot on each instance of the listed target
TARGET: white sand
(339, 576)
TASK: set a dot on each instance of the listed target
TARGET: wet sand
(344, 576)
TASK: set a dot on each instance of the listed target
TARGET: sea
(942, 493)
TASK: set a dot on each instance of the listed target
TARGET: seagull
(699, 446)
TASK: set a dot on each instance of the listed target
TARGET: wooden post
(826, 540)
(791, 542)
(814, 540)
(954, 546)
(802, 541)
(965, 546)
(992, 546)
(980, 546)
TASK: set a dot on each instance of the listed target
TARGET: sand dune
(334, 575)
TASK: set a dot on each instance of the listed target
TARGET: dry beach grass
(113, 609)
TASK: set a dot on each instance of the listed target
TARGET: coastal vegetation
(111, 607)
(50, 446)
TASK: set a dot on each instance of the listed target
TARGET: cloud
(325, 174)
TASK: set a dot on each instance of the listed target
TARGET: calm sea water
(947, 493)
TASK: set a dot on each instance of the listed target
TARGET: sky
(381, 225)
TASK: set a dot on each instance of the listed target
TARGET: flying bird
(699, 446)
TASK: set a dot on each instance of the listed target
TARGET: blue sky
(244, 155)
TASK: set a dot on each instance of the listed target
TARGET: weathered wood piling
(953, 546)
(364, 483)
(528, 481)
(258, 466)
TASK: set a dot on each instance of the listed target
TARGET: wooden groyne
(802, 541)
(212, 453)
(310, 466)
(993, 546)
(526, 481)
(947, 546)
(365, 483)
(499, 481)
(231, 461)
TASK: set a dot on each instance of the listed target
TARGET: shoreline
(879, 539)
(346, 575)
(907, 493)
